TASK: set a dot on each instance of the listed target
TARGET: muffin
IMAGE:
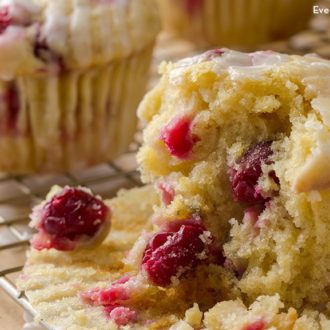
(71, 76)
(238, 146)
(234, 22)
(234, 234)
(92, 288)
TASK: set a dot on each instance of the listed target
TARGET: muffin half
(71, 76)
(239, 144)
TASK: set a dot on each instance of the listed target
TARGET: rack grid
(19, 193)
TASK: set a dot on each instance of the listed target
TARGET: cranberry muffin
(236, 147)
(238, 144)
(71, 76)
(234, 22)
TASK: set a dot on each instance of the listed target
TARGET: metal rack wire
(18, 194)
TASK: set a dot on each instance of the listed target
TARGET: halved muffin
(241, 143)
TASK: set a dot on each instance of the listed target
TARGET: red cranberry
(172, 254)
(5, 18)
(168, 193)
(112, 299)
(256, 325)
(244, 180)
(120, 315)
(116, 294)
(73, 212)
(71, 215)
(178, 137)
(193, 6)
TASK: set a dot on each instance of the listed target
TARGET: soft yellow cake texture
(53, 282)
(264, 313)
(235, 100)
(205, 118)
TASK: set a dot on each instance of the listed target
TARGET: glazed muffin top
(50, 35)
(192, 85)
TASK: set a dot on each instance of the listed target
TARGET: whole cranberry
(244, 180)
(70, 217)
(73, 212)
(178, 137)
(171, 254)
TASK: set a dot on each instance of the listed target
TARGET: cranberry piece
(121, 315)
(112, 299)
(244, 180)
(178, 137)
(257, 325)
(5, 18)
(73, 212)
(71, 218)
(174, 253)
(193, 6)
(116, 294)
(168, 193)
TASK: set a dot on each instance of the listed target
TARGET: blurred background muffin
(240, 23)
(71, 75)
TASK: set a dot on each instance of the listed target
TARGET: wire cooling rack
(18, 194)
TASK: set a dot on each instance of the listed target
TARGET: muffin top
(54, 35)
(198, 81)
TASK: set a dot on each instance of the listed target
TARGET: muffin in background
(71, 76)
(234, 22)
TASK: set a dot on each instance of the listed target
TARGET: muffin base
(70, 120)
(53, 282)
